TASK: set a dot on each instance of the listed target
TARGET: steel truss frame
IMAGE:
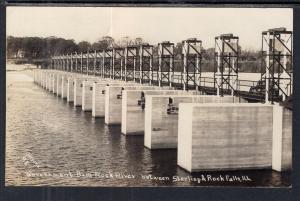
(226, 64)
(131, 53)
(165, 63)
(98, 63)
(145, 63)
(118, 63)
(107, 63)
(192, 57)
(277, 64)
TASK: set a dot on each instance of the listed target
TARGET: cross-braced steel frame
(130, 63)
(107, 63)
(85, 63)
(53, 62)
(165, 63)
(98, 63)
(191, 73)
(73, 62)
(89, 63)
(57, 62)
(145, 63)
(226, 64)
(77, 63)
(61, 63)
(277, 64)
(118, 62)
(68, 62)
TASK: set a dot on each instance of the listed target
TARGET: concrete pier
(64, 85)
(35, 76)
(161, 117)
(113, 102)
(91, 99)
(87, 95)
(224, 136)
(133, 113)
(70, 89)
(209, 136)
(98, 99)
(48, 77)
(78, 89)
(59, 83)
(43, 84)
(282, 139)
(50, 82)
(54, 84)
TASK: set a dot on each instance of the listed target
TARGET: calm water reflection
(49, 142)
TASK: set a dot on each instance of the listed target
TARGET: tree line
(41, 48)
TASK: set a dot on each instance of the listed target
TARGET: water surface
(50, 142)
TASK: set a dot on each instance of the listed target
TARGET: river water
(51, 143)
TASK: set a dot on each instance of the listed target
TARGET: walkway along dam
(215, 123)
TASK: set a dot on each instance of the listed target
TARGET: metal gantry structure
(131, 53)
(277, 64)
(165, 64)
(107, 63)
(98, 63)
(118, 63)
(135, 63)
(191, 51)
(226, 64)
(146, 63)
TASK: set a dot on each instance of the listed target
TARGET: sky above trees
(153, 25)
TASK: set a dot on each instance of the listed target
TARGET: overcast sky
(152, 24)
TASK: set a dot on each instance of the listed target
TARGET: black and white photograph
(153, 96)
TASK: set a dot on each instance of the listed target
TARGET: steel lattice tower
(88, 62)
(277, 61)
(99, 63)
(74, 62)
(61, 63)
(118, 62)
(165, 63)
(53, 64)
(71, 62)
(77, 63)
(146, 61)
(64, 61)
(191, 51)
(226, 64)
(68, 62)
(57, 64)
(130, 63)
(107, 63)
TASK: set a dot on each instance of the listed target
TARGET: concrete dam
(216, 126)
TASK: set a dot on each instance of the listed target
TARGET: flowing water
(50, 142)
